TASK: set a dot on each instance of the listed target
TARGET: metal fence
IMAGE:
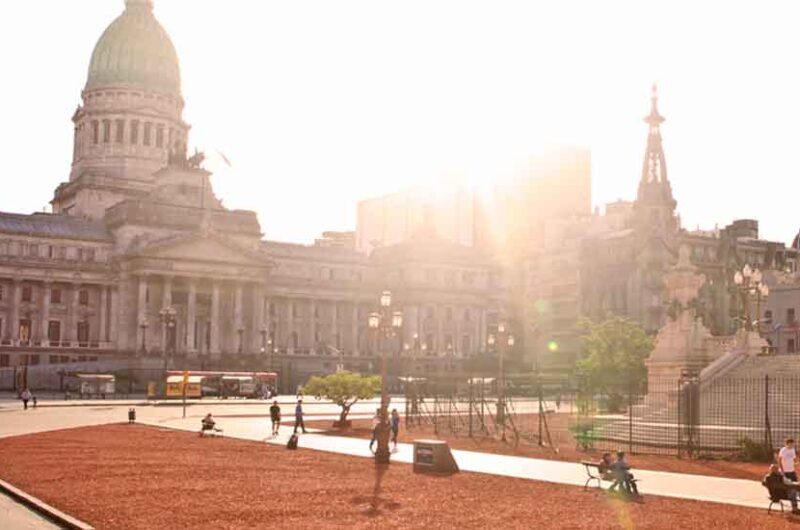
(667, 416)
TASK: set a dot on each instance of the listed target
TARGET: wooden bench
(593, 472)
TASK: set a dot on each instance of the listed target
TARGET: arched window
(160, 136)
(106, 131)
(119, 131)
(134, 138)
(148, 133)
(295, 340)
(95, 132)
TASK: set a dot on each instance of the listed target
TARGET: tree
(613, 356)
(344, 389)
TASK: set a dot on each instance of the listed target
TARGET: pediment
(204, 248)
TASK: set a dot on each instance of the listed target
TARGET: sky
(320, 103)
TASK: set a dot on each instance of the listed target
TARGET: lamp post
(385, 324)
(143, 325)
(168, 317)
(499, 343)
(750, 283)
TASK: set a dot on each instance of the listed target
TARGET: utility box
(433, 456)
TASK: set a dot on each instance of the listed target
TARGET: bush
(584, 434)
(752, 451)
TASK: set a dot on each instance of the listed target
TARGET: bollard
(131, 415)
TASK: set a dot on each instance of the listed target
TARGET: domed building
(140, 267)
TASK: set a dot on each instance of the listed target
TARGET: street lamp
(502, 340)
(143, 325)
(750, 283)
(168, 317)
(387, 324)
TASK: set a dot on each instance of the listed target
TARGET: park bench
(776, 496)
(593, 473)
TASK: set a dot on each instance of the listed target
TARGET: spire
(655, 165)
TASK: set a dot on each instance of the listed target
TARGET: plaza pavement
(247, 422)
(14, 515)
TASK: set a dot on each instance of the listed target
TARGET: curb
(42, 508)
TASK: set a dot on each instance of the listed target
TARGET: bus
(222, 384)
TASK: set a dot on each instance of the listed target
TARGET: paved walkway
(16, 516)
(696, 487)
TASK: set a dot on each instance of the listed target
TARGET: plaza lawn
(138, 477)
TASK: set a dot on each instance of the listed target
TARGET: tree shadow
(374, 504)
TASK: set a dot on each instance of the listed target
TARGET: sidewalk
(15, 515)
(695, 487)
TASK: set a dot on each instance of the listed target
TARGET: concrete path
(16, 516)
(696, 487)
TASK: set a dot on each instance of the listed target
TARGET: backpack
(292, 443)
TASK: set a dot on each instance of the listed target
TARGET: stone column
(16, 301)
(441, 347)
(312, 309)
(334, 325)
(113, 321)
(257, 319)
(215, 352)
(103, 331)
(354, 329)
(482, 328)
(238, 322)
(73, 317)
(166, 301)
(141, 313)
(191, 317)
(265, 304)
(46, 287)
(289, 325)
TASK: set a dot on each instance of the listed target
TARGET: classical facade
(140, 259)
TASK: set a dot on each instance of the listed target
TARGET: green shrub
(584, 434)
(753, 451)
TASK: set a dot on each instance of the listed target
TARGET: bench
(776, 496)
(593, 472)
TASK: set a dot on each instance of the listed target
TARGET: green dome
(135, 50)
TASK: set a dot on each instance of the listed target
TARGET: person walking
(395, 426)
(275, 416)
(787, 457)
(25, 397)
(376, 421)
(298, 417)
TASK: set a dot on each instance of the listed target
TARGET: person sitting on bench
(209, 425)
(781, 488)
(605, 466)
(623, 476)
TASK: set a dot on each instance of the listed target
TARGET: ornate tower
(130, 122)
(655, 206)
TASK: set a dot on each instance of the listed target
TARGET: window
(294, 310)
(24, 330)
(33, 250)
(790, 315)
(134, 138)
(53, 359)
(54, 331)
(1, 291)
(55, 295)
(448, 343)
(83, 332)
(466, 346)
(27, 293)
(295, 340)
(95, 132)
(34, 360)
(83, 297)
(160, 136)
(316, 311)
(148, 133)
(4, 360)
(768, 317)
(106, 131)
(119, 131)
(790, 346)
(429, 343)
(89, 254)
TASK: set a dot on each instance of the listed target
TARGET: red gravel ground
(567, 452)
(136, 477)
